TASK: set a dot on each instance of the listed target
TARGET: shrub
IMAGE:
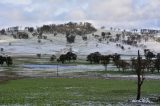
(39, 55)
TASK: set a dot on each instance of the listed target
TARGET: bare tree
(140, 76)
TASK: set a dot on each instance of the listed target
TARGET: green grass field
(67, 92)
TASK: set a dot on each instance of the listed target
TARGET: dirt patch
(6, 76)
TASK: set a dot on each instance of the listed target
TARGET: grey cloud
(101, 12)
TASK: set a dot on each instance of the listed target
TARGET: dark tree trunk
(138, 88)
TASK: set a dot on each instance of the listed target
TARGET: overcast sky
(116, 13)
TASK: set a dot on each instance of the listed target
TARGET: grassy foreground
(60, 92)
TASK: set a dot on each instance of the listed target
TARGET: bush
(44, 37)
(22, 35)
(39, 41)
(2, 49)
(70, 38)
(10, 44)
(84, 38)
(39, 55)
(52, 58)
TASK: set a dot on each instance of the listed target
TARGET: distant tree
(6, 59)
(3, 32)
(103, 34)
(67, 57)
(55, 34)
(157, 64)
(105, 60)
(52, 58)
(45, 28)
(116, 58)
(70, 38)
(40, 35)
(39, 55)
(118, 36)
(39, 41)
(2, 49)
(22, 35)
(30, 29)
(94, 57)
(88, 25)
(71, 27)
(149, 57)
(9, 61)
(84, 38)
(103, 27)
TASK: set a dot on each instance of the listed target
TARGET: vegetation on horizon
(71, 27)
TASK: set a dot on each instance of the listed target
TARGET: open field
(73, 92)
(32, 66)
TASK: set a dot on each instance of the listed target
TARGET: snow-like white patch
(132, 76)
(71, 87)
(143, 100)
(58, 45)
(5, 39)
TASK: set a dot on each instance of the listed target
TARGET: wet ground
(71, 71)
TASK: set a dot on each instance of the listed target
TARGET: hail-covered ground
(58, 45)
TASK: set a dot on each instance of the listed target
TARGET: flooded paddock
(64, 68)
